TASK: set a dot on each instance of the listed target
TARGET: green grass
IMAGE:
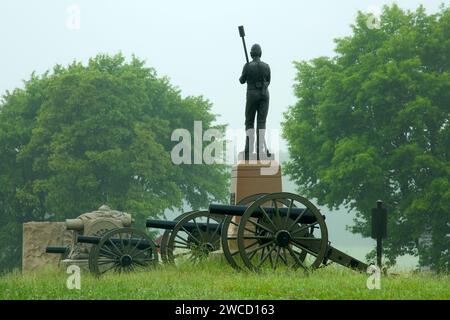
(215, 280)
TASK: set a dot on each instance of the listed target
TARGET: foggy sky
(194, 42)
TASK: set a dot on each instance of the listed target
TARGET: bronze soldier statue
(257, 75)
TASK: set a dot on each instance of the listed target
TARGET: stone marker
(36, 237)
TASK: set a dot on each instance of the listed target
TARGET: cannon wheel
(122, 255)
(281, 240)
(166, 236)
(232, 257)
(194, 245)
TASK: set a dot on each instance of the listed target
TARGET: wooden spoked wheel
(294, 236)
(194, 237)
(123, 250)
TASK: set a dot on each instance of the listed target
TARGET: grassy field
(214, 280)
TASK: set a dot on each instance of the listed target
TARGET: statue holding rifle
(257, 76)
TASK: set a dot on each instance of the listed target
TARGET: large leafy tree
(83, 135)
(373, 123)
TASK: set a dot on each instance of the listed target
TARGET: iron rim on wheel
(282, 235)
(123, 250)
(194, 237)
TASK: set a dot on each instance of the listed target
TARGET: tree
(83, 135)
(373, 123)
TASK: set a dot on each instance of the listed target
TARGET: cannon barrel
(239, 210)
(139, 243)
(160, 224)
(190, 226)
(88, 239)
(59, 250)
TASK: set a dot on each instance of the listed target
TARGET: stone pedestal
(36, 237)
(252, 177)
(249, 178)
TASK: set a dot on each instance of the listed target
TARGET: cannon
(120, 249)
(95, 223)
(191, 237)
(261, 231)
(279, 229)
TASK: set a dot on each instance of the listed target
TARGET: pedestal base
(250, 177)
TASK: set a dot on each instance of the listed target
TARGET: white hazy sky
(194, 42)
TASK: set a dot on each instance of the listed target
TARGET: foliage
(373, 123)
(84, 135)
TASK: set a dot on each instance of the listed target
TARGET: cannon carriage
(279, 230)
(264, 231)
